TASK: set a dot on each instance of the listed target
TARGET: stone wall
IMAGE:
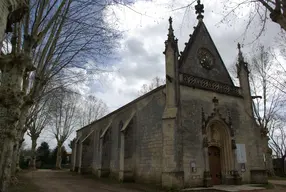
(193, 100)
(143, 145)
(149, 141)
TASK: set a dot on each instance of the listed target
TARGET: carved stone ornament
(198, 82)
(199, 10)
(205, 58)
(215, 115)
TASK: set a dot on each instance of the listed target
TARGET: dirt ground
(65, 181)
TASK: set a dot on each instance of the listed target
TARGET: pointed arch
(218, 135)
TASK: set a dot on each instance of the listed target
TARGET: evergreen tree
(43, 153)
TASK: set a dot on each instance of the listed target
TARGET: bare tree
(156, 82)
(261, 73)
(268, 99)
(38, 120)
(64, 108)
(258, 11)
(91, 110)
(278, 140)
(54, 35)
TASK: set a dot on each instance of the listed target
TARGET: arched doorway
(220, 156)
(215, 164)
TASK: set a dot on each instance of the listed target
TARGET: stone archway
(220, 155)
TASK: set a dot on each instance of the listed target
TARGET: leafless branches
(156, 82)
(64, 110)
(91, 109)
(257, 13)
(262, 69)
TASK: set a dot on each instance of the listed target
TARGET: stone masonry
(197, 130)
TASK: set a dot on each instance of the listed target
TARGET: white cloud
(143, 42)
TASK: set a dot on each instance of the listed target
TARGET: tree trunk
(15, 160)
(18, 168)
(21, 130)
(11, 101)
(6, 168)
(283, 164)
(59, 157)
(2, 153)
(279, 19)
(16, 156)
(33, 150)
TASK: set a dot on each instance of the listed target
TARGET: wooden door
(215, 165)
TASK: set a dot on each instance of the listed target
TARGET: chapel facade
(197, 130)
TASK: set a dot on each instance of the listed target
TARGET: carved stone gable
(201, 58)
(216, 115)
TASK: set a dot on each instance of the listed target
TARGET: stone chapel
(197, 130)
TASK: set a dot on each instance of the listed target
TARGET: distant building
(197, 130)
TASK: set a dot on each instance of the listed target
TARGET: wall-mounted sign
(193, 166)
(242, 167)
(240, 153)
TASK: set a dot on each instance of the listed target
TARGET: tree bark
(6, 170)
(15, 161)
(283, 164)
(11, 101)
(59, 157)
(33, 150)
(21, 129)
(282, 22)
(279, 19)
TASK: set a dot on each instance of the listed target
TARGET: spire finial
(171, 30)
(170, 21)
(199, 10)
(171, 37)
(240, 57)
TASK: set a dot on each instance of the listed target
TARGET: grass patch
(24, 184)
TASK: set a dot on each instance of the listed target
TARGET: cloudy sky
(145, 26)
